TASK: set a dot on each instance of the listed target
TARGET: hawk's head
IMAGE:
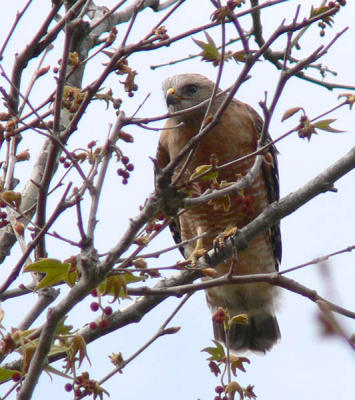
(186, 90)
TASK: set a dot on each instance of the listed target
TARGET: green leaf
(318, 10)
(324, 125)
(7, 374)
(63, 329)
(204, 169)
(241, 56)
(55, 371)
(216, 353)
(77, 350)
(130, 278)
(55, 271)
(315, 11)
(350, 99)
(239, 319)
(210, 51)
(116, 285)
(237, 363)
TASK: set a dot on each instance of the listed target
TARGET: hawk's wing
(163, 159)
(175, 230)
(271, 176)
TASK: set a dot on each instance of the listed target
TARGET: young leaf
(249, 392)
(223, 202)
(116, 285)
(237, 363)
(209, 49)
(204, 169)
(7, 374)
(291, 111)
(55, 271)
(77, 350)
(350, 99)
(240, 319)
(55, 371)
(232, 388)
(324, 125)
(217, 353)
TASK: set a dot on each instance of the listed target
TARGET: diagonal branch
(171, 286)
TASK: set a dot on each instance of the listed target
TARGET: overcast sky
(304, 365)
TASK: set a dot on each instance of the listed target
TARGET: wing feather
(271, 176)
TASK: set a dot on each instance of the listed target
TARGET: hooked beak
(171, 97)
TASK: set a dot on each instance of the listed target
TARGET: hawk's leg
(219, 243)
(199, 250)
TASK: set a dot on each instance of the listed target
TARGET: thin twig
(14, 273)
(161, 332)
(318, 260)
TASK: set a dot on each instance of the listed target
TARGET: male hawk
(234, 136)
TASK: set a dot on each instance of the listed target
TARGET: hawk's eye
(190, 89)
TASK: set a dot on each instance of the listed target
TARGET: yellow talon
(199, 250)
(220, 240)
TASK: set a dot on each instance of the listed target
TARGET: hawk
(235, 135)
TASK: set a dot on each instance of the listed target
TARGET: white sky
(304, 365)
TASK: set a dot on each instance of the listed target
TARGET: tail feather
(259, 334)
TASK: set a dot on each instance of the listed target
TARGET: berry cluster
(328, 20)
(220, 390)
(90, 154)
(127, 168)
(82, 384)
(106, 312)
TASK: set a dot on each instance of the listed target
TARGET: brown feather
(235, 135)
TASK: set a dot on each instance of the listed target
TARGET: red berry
(124, 181)
(125, 160)
(94, 293)
(16, 376)
(92, 144)
(93, 325)
(120, 172)
(219, 316)
(130, 167)
(219, 389)
(94, 306)
(68, 387)
(77, 392)
(108, 310)
(103, 323)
